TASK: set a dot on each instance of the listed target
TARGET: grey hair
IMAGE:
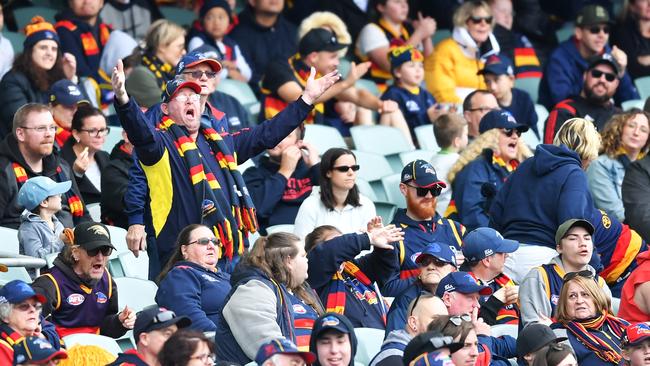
(5, 310)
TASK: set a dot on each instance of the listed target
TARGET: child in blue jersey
(417, 105)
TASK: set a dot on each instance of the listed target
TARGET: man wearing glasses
(26, 153)
(565, 68)
(476, 105)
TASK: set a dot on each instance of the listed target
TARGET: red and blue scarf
(608, 352)
(360, 286)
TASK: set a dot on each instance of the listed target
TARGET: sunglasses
(346, 168)
(594, 29)
(105, 250)
(206, 241)
(25, 306)
(184, 98)
(430, 259)
(422, 192)
(457, 320)
(198, 74)
(608, 76)
(509, 131)
(164, 316)
(477, 20)
(571, 275)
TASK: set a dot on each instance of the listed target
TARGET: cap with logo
(154, 317)
(195, 58)
(500, 118)
(37, 189)
(535, 336)
(319, 39)
(284, 347)
(17, 291)
(428, 342)
(461, 282)
(497, 65)
(422, 174)
(66, 92)
(635, 334)
(441, 251)
(174, 86)
(402, 54)
(91, 235)
(592, 15)
(605, 59)
(483, 242)
(563, 229)
(35, 350)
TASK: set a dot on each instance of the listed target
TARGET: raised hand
(357, 71)
(127, 318)
(69, 63)
(82, 162)
(382, 237)
(314, 88)
(425, 25)
(375, 223)
(620, 57)
(118, 80)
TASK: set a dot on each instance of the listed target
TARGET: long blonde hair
(581, 136)
(487, 140)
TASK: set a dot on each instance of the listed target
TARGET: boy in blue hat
(36, 351)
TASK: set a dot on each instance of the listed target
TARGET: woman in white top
(338, 202)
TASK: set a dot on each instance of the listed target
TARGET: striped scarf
(360, 286)
(608, 352)
(230, 221)
(162, 70)
(74, 202)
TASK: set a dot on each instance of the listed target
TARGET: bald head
(422, 311)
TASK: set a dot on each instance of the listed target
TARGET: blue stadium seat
(368, 85)
(530, 86)
(366, 189)
(643, 86)
(384, 140)
(373, 168)
(14, 273)
(113, 137)
(324, 137)
(16, 40)
(391, 187)
(386, 210)
(370, 341)
(9, 240)
(426, 138)
(565, 32)
(440, 35)
(135, 267)
(177, 15)
(409, 156)
(243, 93)
(631, 104)
(24, 15)
(135, 293)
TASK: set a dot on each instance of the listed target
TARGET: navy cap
(428, 342)
(422, 174)
(209, 4)
(66, 92)
(194, 58)
(484, 242)
(399, 55)
(432, 359)
(500, 118)
(319, 39)
(35, 350)
(441, 251)
(154, 317)
(606, 59)
(17, 291)
(461, 282)
(497, 65)
(175, 85)
(37, 189)
(281, 346)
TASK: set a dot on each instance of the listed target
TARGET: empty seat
(391, 187)
(324, 137)
(135, 293)
(369, 343)
(9, 241)
(135, 267)
(373, 168)
(178, 15)
(426, 138)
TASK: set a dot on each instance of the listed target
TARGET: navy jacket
(523, 109)
(396, 318)
(563, 76)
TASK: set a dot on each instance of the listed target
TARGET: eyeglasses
(509, 131)
(346, 168)
(206, 241)
(184, 98)
(197, 74)
(422, 192)
(206, 358)
(457, 320)
(431, 259)
(105, 250)
(608, 75)
(481, 109)
(477, 20)
(101, 132)
(571, 275)
(595, 29)
(41, 129)
(25, 306)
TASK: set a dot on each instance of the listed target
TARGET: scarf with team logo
(230, 220)
(360, 286)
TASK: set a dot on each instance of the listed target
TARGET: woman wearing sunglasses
(483, 166)
(190, 284)
(584, 315)
(457, 60)
(338, 202)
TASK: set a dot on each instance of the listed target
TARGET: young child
(40, 230)
(451, 135)
(635, 344)
(499, 76)
(215, 17)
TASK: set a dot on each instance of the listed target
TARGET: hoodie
(326, 322)
(36, 239)
(392, 349)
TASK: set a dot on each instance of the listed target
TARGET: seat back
(286, 228)
(135, 267)
(243, 93)
(135, 292)
(409, 156)
(369, 344)
(386, 210)
(324, 137)
(426, 138)
(89, 339)
(24, 15)
(178, 15)
(9, 240)
(391, 187)
(14, 273)
(530, 86)
(643, 86)
(113, 137)
(383, 140)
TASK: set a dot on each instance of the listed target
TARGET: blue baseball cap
(430, 343)
(400, 55)
(66, 92)
(175, 85)
(497, 65)
(422, 174)
(35, 350)
(500, 118)
(484, 242)
(432, 359)
(17, 291)
(461, 282)
(37, 189)
(194, 58)
(441, 251)
(281, 346)
(154, 317)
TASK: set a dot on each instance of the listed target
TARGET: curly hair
(613, 131)
(487, 140)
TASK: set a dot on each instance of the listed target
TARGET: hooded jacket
(320, 327)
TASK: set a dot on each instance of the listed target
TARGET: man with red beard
(421, 224)
(27, 153)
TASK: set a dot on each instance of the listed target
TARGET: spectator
(214, 18)
(594, 102)
(40, 230)
(421, 310)
(476, 105)
(636, 186)
(533, 338)
(154, 325)
(584, 315)
(391, 29)
(430, 348)
(264, 35)
(435, 262)
(634, 296)
(6, 49)
(450, 131)
(36, 351)
(457, 59)
(631, 35)
(485, 252)
(555, 355)
(566, 66)
(345, 278)
(499, 77)
(84, 151)
(64, 98)
(420, 186)
(260, 299)
(34, 71)
(338, 202)
(20, 317)
(83, 263)
(331, 22)
(469, 351)
(354, 14)
(190, 283)
(282, 179)
(484, 166)
(164, 48)
(186, 346)
(635, 344)
(625, 139)
(131, 16)
(540, 289)
(282, 352)
(28, 152)
(114, 183)
(333, 341)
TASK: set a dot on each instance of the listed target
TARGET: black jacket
(628, 38)
(88, 191)
(636, 190)
(115, 179)
(15, 91)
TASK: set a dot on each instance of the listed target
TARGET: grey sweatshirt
(36, 239)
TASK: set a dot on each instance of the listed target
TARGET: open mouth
(190, 113)
(98, 267)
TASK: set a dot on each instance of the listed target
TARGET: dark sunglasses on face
(206, 241)
(571, 275)
(198, 74)
(106, 251)
(597, 74)
(509, 131)
(477, 20)
(430, 259)
(457, 320)
(422, 192)
(346, 168)
(595, 29)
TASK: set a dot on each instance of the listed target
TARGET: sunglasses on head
(422, 192)
(415, 303)
(346, 168)
(608, 75)
(206, 241)
(509, 131)
(595, 29)
(571, 275)
(457, 320)
(164, 316)
(478, 20)
(105, 250)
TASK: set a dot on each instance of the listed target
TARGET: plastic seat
(9, 241)
(89, 339)
(366, 189)
(616, 304)
(135, 267)
(113, 137)
(14, 273)
(631, 104)
(287, 228)
(243, 93)
(368, 85)
(530, 139)
(118, 239)
(25, 15)
(95, 211)
(530, 86)
(426, 138)
(499, 330)
(373, 168)
(409, 156)
(383, 140)
(542, 115)
(245, 165)
(440, 35)
(386, 210)
(370, 341)
(180, 16)
(344, 67)
(643, 86)
(324, 137)
(135, 292)
(391, 187)
(565, 32)
(16, 40)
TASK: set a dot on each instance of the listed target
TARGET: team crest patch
(75, 299)
(555, 299)
(299, 309)
(607, 222)
(414, 256)
(207, 207)
(101, 298)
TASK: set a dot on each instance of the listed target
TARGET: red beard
(420, 207)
